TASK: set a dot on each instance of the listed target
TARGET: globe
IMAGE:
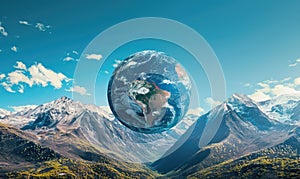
(149, 92)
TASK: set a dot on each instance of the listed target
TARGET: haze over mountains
(225, 136)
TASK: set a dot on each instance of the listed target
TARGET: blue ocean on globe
(149, 92)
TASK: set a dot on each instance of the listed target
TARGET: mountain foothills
(21, 158)
(238, 138)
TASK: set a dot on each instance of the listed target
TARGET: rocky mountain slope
(21, 157)
(17, 149)
(4, 113)
(279, 161)
(238, 138)
(284, 108)
(68, 126)
(236, 128)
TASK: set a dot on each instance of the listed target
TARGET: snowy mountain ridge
(283, 108)
(64, 117)
(235, 128)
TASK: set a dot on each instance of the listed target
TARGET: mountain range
(245, 128)
(238, 138)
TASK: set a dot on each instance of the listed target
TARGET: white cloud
(40, 27)
(106, 72)
(78, 89)
(43, 76)
(71, 56)
(196, 111)
(274, 88)
(259, 96)
(247, 85)
(36, 74)
(293, 64)
(212, 102)
(297, 81)
(263, 85)
(115, 65)
(168, 81)
(93, 56)
(21, 89)
(2, 76)
(14, 48)
(21, 108)
(281, 90)
(2, 30)
(7, 87)
(18, 76)
(24, 22)
(69, 59)
(285, 79)
(270, 81)
(20, 65)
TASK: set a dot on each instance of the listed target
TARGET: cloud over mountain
(35, 75)
(273, 88)
(78, 89)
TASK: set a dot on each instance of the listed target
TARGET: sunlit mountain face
(245, 129)
(64, 121)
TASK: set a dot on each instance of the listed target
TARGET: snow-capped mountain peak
(58, 107)
(249, 111)
(4, 113)
(241, 99)
(284, 108)
(96, 125)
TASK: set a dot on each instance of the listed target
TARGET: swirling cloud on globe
(149, 92)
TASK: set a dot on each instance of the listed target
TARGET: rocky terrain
(238, 138)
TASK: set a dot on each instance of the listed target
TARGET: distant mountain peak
(241, 99)
(284, 108)
(239, 95)
(4, 113)
(247, 110)
(62, 100)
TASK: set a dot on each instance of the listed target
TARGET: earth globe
(149, 92)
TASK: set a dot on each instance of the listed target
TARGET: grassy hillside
(18, 151)
(20, 157)
(282, 161)
(67, 168)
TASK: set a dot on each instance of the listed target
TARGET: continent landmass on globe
(149, 92)
(150, 98)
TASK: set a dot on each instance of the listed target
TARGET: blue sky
(256, 42)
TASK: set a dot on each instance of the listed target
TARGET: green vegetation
(67, 168)
(18, 149)
(256, 168)
(22, 158)
(282, 161)
(144, 98)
